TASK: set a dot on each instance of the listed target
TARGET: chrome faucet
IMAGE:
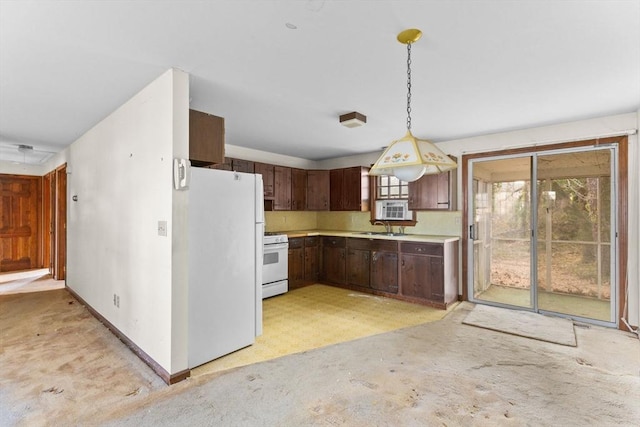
(387, 226)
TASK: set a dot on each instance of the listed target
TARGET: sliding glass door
(501, 231)
(547, 247)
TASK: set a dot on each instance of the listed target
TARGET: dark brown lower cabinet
(334, 262)
(373, 264)
(425, 273)
(311, 259)
(304, 261)
(384, 271)
(296, 262)
(428, 271)
(358, 267)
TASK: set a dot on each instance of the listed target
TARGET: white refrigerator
(226, 228)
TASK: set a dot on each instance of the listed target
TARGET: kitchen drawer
(361, 244)
(334, 242)
(311, 241)
(433, 249)
(296, 242)
(384, 245)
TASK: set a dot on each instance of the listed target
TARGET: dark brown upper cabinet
(206, 138)
(433, 192)
(298, 189)
(318, 184)
(281, 188)
(242, 166)
(349, 189)
(267, 172)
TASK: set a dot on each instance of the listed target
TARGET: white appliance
(275, 265)
(226, 228)
(393, 209)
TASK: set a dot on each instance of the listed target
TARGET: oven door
(275, 262)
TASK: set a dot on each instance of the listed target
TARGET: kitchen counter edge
(425, 238)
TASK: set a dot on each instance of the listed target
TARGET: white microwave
(388, 210)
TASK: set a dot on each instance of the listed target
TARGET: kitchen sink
(380, 233)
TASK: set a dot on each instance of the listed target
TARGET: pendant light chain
(408, 86)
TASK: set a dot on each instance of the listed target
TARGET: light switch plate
(162, 228)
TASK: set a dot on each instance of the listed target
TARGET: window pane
(384, 192)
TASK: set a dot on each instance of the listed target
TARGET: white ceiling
(481, 67)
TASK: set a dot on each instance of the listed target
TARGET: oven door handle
(275, 247)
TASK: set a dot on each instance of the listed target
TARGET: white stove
(275, 265)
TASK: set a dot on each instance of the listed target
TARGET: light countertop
(425, 238)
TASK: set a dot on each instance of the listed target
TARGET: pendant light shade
(409, 158)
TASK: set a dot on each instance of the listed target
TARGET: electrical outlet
(162, 228)
(116, 300)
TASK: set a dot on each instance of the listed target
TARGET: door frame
(622, 206)
(54, 222)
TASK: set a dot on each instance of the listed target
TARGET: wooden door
(242, 166)
(282, 188)
(334, 264)
(298, 189)
(358, 267)
(266, 171)
(206, 138)
(336, 179)
(423, 193)
(318, 190)
(384, 271)
(60, 231)
(20, 222)
(414, 274)
(352, 189)
(48, 215)
(311, 260)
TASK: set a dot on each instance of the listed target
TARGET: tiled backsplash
(443, 223)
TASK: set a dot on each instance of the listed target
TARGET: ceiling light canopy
(409, 158)
(353, 120)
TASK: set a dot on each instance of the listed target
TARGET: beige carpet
(523, 323)
(62, 367)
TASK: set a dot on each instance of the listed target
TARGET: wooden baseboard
(159, 370)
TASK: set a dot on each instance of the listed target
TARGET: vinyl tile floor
(317, 316)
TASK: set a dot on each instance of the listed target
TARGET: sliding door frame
(621, 208)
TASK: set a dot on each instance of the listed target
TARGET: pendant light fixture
(409, 158)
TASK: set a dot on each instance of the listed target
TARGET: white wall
(121, 172)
